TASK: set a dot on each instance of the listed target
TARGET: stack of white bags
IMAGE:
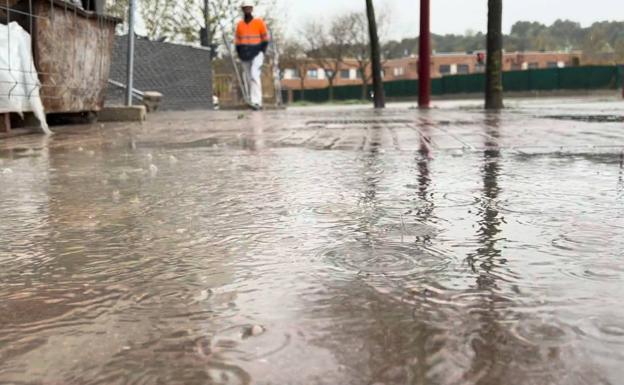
(19, 81)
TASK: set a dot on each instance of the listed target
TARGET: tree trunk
(362, 71)
(494, 68)
(331, 90)
(378, 88)
(302, 91)
(207, 42)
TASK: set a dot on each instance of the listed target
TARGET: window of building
(291, 73)
(345, 74)
(552, 64)
(313, 73)
(445, 69)
(463, 69)
(516, 66)
(399, 71)
(358, 74)
(533, 66)
(329, 73)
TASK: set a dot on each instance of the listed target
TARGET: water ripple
(384, 258)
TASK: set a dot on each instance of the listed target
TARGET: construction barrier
(534, 80)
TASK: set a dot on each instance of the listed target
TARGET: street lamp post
(424, 55)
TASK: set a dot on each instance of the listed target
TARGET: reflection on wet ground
(338, 246)
(591, 118)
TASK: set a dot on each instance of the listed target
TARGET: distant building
(443, 64)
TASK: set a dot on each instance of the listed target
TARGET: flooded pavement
(317, 246)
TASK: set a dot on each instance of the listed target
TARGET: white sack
(19, 81)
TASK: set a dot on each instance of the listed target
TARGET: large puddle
(346, 247)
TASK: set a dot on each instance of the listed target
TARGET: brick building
(442, 64)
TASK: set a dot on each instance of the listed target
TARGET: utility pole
(424, 55)
(494, 66)
(130, 54)
(207, 42)
(378, 88)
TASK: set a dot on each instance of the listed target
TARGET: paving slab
(323, 245)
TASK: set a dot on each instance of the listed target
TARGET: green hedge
(551, 79)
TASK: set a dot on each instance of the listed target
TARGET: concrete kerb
(123, 114)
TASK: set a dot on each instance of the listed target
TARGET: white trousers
(252, 70)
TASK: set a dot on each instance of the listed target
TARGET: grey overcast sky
(454, 16)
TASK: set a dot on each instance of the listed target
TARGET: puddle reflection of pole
(255, 141)
(424, 211)
(620, 189)
(424, 214)
(483, 261)
(371, 180)
(492, 309)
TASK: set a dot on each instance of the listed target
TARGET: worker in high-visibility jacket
(252, 41)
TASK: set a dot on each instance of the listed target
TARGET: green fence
(551, 79)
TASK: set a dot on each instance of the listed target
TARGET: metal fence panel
(588, 78)
(315, 95)
(71, 49)
(517, 81)
(462, 84)
(550, 79)
(544, 79)
(348, 92)
(401, 88)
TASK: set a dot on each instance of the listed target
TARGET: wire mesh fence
(69, 56)
(54, 53)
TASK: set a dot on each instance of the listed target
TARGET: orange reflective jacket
(253, 33)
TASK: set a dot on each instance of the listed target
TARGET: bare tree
(378, 87)
(165, 19)
(360, 45)
(184, 20)
(329, 47)
(294, 57)
(494, 66)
